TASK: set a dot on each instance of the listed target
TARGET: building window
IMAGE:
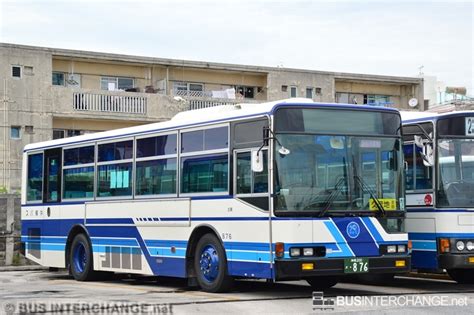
(29, 129)
(16, 71)
(73, 133)
(185, 89)
(58, 134)
(309, 92)
(284, 88)
(15, 132)
(245, 91)
(377, 100)
(58, 78)
(116, 83)
(293, 91)
(318, 91)
(28, 70)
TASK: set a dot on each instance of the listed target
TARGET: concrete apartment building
(51, 93)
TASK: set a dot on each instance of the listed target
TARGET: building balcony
(99, 104)
(206, 99)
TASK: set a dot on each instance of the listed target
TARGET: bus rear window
(34, 190)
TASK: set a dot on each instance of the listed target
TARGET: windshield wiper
(332, 196)
(365, 187)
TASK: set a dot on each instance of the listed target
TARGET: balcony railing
(186, 93)
(97, 102)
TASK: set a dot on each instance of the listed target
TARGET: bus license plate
(356, 265)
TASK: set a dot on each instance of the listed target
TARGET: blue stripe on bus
(110, 221)
(60, 240)
(344, 249)
(164, 243)
(114, 241)
(426, 245)
(363, 245)
(432, 236)
(438, 210)
(249, 256)
(424, 260)
(250, 269)
(373, 230)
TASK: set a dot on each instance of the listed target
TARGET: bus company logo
(353, 230)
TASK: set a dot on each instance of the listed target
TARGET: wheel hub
(209, 263)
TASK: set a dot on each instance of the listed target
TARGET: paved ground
(39, 290)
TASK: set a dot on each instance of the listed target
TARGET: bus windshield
(456, 173)
(329, 173)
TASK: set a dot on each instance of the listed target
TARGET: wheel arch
(75, 230)
(197, 233)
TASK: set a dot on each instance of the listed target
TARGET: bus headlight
(308, 252)
(402, 248)
(470, 245)
(295, 251)
(460, 245)
(391, 249)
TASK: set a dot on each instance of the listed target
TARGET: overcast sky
(379, 37)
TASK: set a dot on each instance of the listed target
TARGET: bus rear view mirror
(426, 151)
(257, 161)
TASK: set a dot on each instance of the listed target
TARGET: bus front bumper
(456, 261)
(292, 269)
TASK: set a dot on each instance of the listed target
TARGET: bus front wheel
(322, 282)
(210, 264)
(462, 275)
(80, 259)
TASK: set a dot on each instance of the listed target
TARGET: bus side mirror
(257, 161)
(426, 151)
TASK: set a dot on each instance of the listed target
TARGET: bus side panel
(117, 232)
(421, 228)
(41, 234)
(244, 231)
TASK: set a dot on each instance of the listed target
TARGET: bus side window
(248, 182)
(34, 187)
(52, 175)
(409, 169)
(204, 161)
(423, 174)
(114, 169)
(417, 175)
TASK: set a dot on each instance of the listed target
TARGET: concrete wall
(159, 107)
(10, 230)
(302, 80)
(26, 102)
(145, 74)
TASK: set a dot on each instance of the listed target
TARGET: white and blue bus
(278, 191)
(439, 157)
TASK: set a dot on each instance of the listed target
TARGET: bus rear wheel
(463, 276)
(80, 259)
(322, 282)
(210, 264)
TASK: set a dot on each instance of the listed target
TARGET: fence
(110, 103)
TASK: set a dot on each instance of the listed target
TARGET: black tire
(214, 276)
(322, 282)
(82, 269)
(463, 276)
